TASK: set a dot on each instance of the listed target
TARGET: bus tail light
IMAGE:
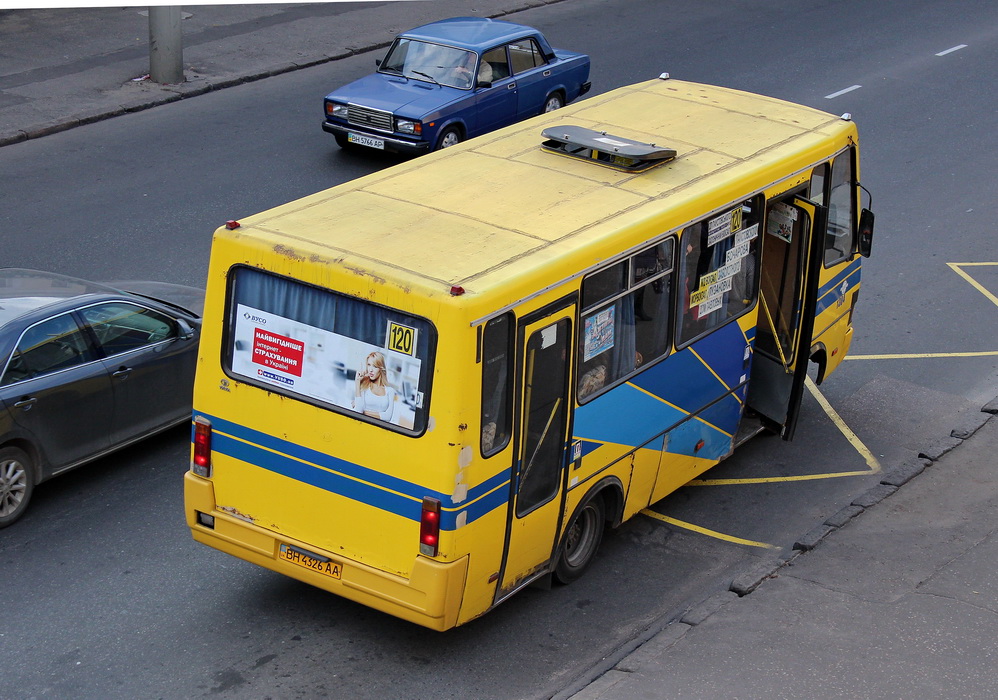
(429, 527)
(201, 464)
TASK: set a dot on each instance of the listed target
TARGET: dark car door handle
(122, 372)
(511, 86)
(26, 403)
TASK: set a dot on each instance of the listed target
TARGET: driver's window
(496, 62)
(840, 236)
(121, 327)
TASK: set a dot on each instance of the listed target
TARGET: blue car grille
(371, 118)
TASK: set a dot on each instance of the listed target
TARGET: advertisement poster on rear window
(318, 364)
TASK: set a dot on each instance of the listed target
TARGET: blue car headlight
(334, 109)
(407, 126)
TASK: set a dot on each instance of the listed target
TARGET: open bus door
(537, 485)
(788, 294)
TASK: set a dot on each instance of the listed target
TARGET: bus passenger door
(791, 260)
(537, 482)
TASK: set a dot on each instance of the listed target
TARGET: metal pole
(166, 46)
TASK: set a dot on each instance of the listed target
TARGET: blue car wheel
(451, 136)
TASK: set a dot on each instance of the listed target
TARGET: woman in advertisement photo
(374, 397)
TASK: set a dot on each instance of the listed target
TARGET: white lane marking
(842, 92)
(955, 48)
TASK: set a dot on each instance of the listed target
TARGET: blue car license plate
(362, 140)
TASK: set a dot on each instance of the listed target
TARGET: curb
(658, 637)
(181, 91)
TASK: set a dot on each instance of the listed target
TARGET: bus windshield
(329, 349)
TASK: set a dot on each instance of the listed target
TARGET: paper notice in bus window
(722, 226)
(708, 307)
(599, 330)
(751, 233)
(318, 364)
(780, 221)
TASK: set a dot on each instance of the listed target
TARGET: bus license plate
(366, 141)
(328, 568)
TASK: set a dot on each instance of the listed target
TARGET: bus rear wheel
(582, 539)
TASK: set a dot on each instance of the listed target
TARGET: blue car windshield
(420, 60)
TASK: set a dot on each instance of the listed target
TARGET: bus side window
(626, 317)
(816, 190)
(497, 338)
(840, 236)
(719, 278)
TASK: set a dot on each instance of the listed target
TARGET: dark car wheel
(553, 102)
(581, 540)
(451, 136)
(17, 481)
(342, 141)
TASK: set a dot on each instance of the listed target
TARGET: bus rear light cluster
(201, 463)
(429, 527)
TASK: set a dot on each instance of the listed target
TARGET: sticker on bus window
(723, 226)
(780, 221)
(599, 331)
(401, 338)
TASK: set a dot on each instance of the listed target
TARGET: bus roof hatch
(605, 149)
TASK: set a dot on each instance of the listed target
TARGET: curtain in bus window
(278, 296)
(316, 344)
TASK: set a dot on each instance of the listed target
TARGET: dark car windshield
(428, 62)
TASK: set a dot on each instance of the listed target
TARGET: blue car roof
(474, 33)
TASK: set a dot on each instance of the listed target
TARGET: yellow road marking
(843, 428)
(923, 355)
(704, 531)
(957, 268)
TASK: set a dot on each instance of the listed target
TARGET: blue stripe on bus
(351, 480)
(663, 395)
(831, 293)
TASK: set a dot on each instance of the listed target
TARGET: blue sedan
(448, 81)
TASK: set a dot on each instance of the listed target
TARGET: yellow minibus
(427, 388)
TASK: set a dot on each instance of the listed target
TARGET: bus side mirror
(865, 233)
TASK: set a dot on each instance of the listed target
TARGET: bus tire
(17, 482)
(581, 540)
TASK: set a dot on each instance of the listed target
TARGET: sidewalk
(899, 600)
(67, 67)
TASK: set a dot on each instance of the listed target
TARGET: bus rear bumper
(430, 597)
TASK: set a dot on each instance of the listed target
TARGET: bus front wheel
(581, 540)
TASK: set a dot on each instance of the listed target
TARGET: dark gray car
(87, 368)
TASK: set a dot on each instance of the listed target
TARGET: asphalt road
(105, 595)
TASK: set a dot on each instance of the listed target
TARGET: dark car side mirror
(186, 329)
(865, 232)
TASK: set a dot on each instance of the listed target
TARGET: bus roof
(498, 208)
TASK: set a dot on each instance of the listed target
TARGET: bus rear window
(329, 349)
